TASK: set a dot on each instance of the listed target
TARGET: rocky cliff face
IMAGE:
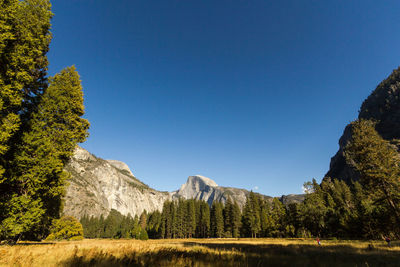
(98, 185)
(383, 106)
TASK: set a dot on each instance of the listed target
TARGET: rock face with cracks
(98, 185)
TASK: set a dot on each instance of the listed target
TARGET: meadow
(201, 252)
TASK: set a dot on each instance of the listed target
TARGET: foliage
(40, 122)
(66, 228)
(115, 226)
(378, 163)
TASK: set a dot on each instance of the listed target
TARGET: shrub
(66, 228)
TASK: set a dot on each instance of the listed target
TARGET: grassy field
(202, 252)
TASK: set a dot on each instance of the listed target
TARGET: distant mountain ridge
(97, 186)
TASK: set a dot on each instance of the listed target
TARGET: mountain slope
(98, 185)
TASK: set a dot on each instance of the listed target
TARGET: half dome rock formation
(97, 186)
(203, 188)
(383, 106)
(197, 187)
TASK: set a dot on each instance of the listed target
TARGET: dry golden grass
(201, 252)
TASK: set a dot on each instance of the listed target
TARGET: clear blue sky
(248, 93)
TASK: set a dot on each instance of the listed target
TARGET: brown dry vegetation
(201, 252)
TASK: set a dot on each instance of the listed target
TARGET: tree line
(115, 225)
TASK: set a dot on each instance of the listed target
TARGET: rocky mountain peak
(82, 155)
(196, 185)
(121, 166)
(199, 180)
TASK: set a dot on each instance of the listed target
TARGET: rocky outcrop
(383, 106)
(97, 186)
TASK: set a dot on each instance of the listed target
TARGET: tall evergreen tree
(247, 218)
(236, 220)
(153, 227)
(37, 176)
(278, 216)
(378, 163)
(143, 219)
(313, 209)
(204, 219)
(228, 220)
(217, 220)
(251, 221)
(190, 218)
(24, 42)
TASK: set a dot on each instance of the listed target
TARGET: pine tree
(377, 162)
(167, 219)
(277, 216)
(190, 218)
(293, 220)
(217, 220)
(236, 220)
(228, 220)
(251, 221)
(339, 207)
(24, 42)
(154, 224)
(143, 219)
(204, 219)
(267, 225)
(247, 219)
(179, 219)
(37, 174)
(313, 209)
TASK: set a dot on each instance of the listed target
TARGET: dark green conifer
(217, 220)
(378, 164)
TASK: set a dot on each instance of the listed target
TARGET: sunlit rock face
(383, 106)
(203, 188)
(97, 186)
